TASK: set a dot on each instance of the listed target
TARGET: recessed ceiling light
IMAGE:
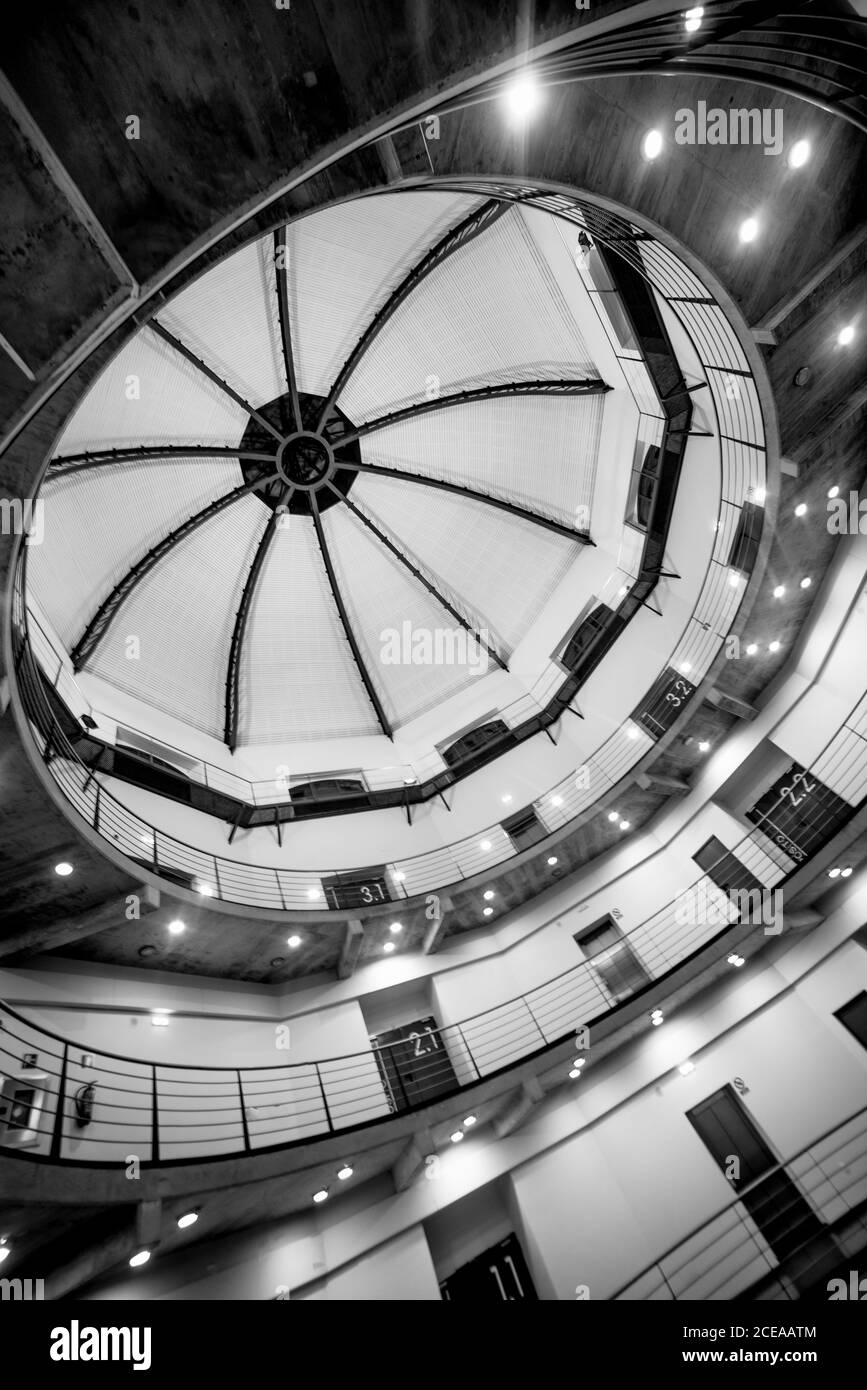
(801, 509)
(846, 873)
(624, 824)
(469, 1121)
(523, 96)
(486, 912)
(488, 894)
(758, 495)
(160, 1018)
(686, 667)
(613, 815)
(579, 1062)
(345, 1172)
(293, 941)
(506, 799)
(834, 873)
(686, 1067)
(779, 591)
(773, 646)
(321, 1195)
(734, 579)
(748, 230)
(806, 582)
(651, 145)
(189, 1219)
(799, 154)
(556, 801)
(833, 491)
(313, 893)
(845, 336)
(752, 648)
(692, 18)
(279, 960)
(63, 869)
(704, 746)
(457, 1136)
(657, 1017)
(140, 1259)
(389, 947)
(574, 1074)
(735, 959)
(396, 927)
(177, 926)
(552, 859)
(485, 845)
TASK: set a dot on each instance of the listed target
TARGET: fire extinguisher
(84, 1104)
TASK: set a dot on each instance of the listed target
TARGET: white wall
(401, 1271)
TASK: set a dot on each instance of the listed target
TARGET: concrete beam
(765, 337)
(389, 158)
(522, 1103)
(411, 1160)
(112, 913)
(790, 467)
(148, 1222)
(437, 929)
(352, 942)
(784, 307)
(729, 704)
(647, 780)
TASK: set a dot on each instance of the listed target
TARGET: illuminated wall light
(321, 1195)
(657, 1017)
(485, 845)
(613, 815)
(574, 1074)
(395, 928)
(293, 941)
(736, 960)
(752, 648)
(160, 1018)
(704, 746)
(506, 799)
(189, 1219)
(556, 801)
(806, 582)
(63, 869)
(625, 824)
(748, 230)
(469, 1121)
(651, 145)
(345, 1172)
(801, 509)
(845, 336)
(177, 926)
(847, 872)
(686, 1067)
(799, 154)
(834, 873)
(833, 491)
(692, 18)
(779, 591)
(773, 646)
(136, 1261)
(488, 894)
(457, 1136)
(389, 947)
(523, 97)
(552, 859)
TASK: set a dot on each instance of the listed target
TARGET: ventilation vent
(472, 743)
(524, 829)
(745, 545)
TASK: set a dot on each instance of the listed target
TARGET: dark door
(774, 1202)
(500, 1275)
(414, 1064)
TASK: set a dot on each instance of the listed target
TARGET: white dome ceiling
(260, 589)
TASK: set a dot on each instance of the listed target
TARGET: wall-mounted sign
(799, 813)
(665, 700)
(413, 1063)
(354, 890)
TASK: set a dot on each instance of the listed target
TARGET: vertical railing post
(324, 1100)
(155, 1117)
(469, 1053)
(536, 1022)
(243, 1112)
(57, 1133)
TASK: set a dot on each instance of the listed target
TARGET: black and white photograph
(433, 679)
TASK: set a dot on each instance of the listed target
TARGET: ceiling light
(293, 941)
(773, 646)
(321, 1195)
(552, 859)
(752, 648)
(63, 869)
(801, 509)
(834, 873)
(345, 1172)
(806, 582)
(734, 579)
(735, 959)
(621, 591)
(845, 336)
(748, 230)
(758, 495)
(189, 1219)
(396, 927)
(704, 746)
(686, 1067)
(846, 873)
(779, 591)
(692, 19)
(457, 1136)
(574, 1074)
(4, 1251)
(833, 491)
(633, 733)
(506, 799)
(613, 815)
(657, 1017)
(686, 667)
(389, 947)
(313, 893)
(409, 781)
(624, 825)
(160, 1018)
(205, 889)
(485, 845)
(140, 1259)
(176, 927)
(579, 1062)
(488, 894)
(651, 145)
(469, 1121)
(398, 876)
(523, 96)
(556, 801)
(487, 911)
(799, 154)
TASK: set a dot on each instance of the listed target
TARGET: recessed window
(853, 1017)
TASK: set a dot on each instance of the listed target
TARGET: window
(853, 1017)
(724, 868)
(613, 959)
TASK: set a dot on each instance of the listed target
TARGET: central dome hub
(305, 460)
